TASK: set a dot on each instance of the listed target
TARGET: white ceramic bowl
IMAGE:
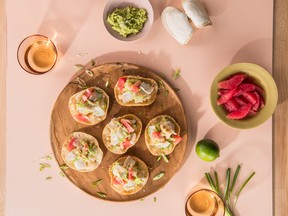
(111, 5)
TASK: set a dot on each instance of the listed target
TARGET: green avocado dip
(128, 20)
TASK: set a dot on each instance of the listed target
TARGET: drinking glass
(204, 202)
(37, 54)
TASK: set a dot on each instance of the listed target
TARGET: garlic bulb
(177, 24)
(196, 12)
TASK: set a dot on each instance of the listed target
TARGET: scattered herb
(64, 167)
(62, 174)
(43, 166)
(165, 158)
(95, 183)
(155, 199)
(176, 74)
(159, 176)
(159, 158)
(228, 188)
(140, 113)
(48, 178)
(176, 89)
(80, 82)
(48, 157)
(78, 66)
(81, 54)
(92, 62)
(160, 83)
(89, 72)
(101, 194)
(162, 75)
(107, 83)
(142, 199)
(166, 92)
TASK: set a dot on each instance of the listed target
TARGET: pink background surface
(242, 32)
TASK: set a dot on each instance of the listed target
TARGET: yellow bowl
(260, 77)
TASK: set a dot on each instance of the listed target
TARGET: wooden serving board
(167, 102)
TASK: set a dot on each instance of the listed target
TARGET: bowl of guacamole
(128, 20)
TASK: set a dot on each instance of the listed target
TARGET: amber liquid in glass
(41, 56)
(202, 203)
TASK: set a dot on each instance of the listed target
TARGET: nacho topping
(122, 133)
(89, 104)
(136, 90)
(127, 174)
(163, 134)
(83, 153)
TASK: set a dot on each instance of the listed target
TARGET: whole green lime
(207, 150)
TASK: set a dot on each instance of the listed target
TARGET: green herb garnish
(92, 62)
(166, 92)
(159, 176)
(155, 199)
(48, 157)
(107, 84)
(101, 194)
(95, 183)
(48, 178)
(89, 72)
(176, 74)
(64, 167)
(78, 66)
(43, 166)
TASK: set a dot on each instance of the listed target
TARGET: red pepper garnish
(70, 144)
(135, 87)
(82, 118)
(156, 134)
(126, 144)
(127, 125)
(177, 139)
(120, 83)
(130, 174)
(86, 95)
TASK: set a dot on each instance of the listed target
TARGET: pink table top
(242, 32)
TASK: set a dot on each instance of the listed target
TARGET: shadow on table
(223, 140)
(63, 20)
(160, 63)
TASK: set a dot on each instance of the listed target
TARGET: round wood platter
(167, 102)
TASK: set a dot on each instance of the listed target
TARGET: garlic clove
(177, 24)
(196, 12)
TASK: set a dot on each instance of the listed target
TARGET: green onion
(78, 66)
(92, 62)
(101, 194)
(95, 183)
(89, 72)
(165, 158)
(241, 188)
(176, 74)
(159, 176)
(215, 186)
(64, 167)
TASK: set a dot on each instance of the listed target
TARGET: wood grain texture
(280, 121)
(2, 104)
(166, 103)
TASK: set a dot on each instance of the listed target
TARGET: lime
(207, 150)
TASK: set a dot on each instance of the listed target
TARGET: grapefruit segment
(241, 113)
(233, 82)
